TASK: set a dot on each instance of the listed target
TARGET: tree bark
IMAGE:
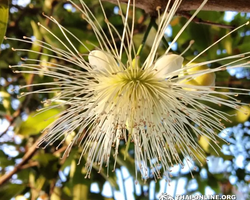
(187, 5)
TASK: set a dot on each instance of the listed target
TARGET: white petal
(167, 64)
(102, 61)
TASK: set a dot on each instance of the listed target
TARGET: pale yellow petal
(167, 64)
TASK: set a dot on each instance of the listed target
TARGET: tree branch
(188, 5)
(204, 22)
(18, 167)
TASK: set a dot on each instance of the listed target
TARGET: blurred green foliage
(49, 174)
(4, 10)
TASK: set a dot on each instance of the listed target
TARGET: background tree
(27, 172)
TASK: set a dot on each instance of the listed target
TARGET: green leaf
(69, 159)
(5, 160)
(157, 186)
(80, 191)
(80, 185)
(48, 165)
(35, 124)
(24, 175)
(241, 174)
(35, 45)
(201, 184)
(44, 159)
(4, 10)
(6, 100)
(8, 191)
(56, 195)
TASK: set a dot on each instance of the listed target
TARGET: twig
(52, 187)
(12, 120)
(145, 36)
(60, 150)
(198, 20)
(20, 108)
(30, 164)
(17, 168)
(15, 79)
(164, 40)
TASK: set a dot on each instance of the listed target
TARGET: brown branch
(188, 5)
(234, 83)
(205, 22)
(30, 164)
(20, 109)
(23, 164)
(15, 115)
(18, 167)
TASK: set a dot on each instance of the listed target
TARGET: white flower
(159, 105)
